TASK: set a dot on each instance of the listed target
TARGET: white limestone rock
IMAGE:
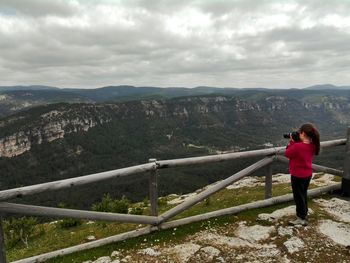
(338, 232)
(338, 208)
(279, 213)
(211, 252)
(285, 231)
(216, 239)
(183, 251)
(115, 254)
(294, 244)
(126, 259)
(254, 233)
(150, 252)
(90, 238)
(323, 180)
(103, 260)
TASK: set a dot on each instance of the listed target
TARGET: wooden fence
(155, 221)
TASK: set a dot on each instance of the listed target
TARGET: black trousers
(300, 186)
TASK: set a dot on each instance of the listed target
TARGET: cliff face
(338, 106)
(50, 126)
(22, 141)
(46, 124)
(15, 144)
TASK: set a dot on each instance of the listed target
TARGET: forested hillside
(60, 141)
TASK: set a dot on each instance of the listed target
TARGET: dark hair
(311, 131)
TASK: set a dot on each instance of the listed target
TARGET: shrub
(145, 202)
(108, 204)
(162, 201)
(68, 222)
(137, 210)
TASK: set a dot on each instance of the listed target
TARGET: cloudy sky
(188, 43)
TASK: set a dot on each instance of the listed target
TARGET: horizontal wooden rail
(72, 213)
(215, 188)
(218, 158)
(315, 167)
(76, 181)
(235, 155)
(332, 143)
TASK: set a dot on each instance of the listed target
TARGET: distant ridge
(17, 98)
(30, 87)
(129, 89)
(327, 87)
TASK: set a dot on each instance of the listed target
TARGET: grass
(50, 237)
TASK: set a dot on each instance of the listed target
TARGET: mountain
(110, 93)
(17, 98)
(327, 87)
(63, 140)
(26, 88)
(126, 93)
(12, 101)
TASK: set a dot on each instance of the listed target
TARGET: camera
(295, 136)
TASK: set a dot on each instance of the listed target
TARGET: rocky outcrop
(50, 129)
(14, 144)
(338, 106)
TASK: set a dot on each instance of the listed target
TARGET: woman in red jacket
(300, 154)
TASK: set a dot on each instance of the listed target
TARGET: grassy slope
(50, 237)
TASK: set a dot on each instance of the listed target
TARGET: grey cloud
(315, 38)
(320, 8)
(96, 52)
(222, 7)
(38, 7)
(162, 6)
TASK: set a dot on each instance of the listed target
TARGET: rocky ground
(269, 238)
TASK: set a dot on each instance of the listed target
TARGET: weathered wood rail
(155, 221)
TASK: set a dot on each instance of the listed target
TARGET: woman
(300, 155)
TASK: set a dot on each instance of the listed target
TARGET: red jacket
(300, 157)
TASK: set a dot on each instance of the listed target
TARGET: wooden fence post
(2, 243)
(268, 181)
(153, 189)
(345, 186)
